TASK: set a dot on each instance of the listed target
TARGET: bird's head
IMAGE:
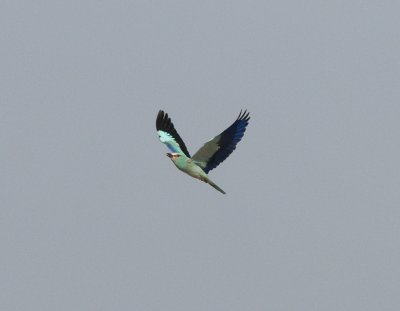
(173, 156)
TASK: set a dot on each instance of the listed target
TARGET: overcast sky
(94, 216)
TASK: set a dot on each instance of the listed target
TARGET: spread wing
(168, 134)
(220, 147)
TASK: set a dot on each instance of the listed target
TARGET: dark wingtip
(161, 118)
(160, 114)
(244, 116)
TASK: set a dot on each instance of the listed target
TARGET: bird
(209, 156)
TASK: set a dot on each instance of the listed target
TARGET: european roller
(209, 156)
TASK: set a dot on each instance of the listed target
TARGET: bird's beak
(169, 155)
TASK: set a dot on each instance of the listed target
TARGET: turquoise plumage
(209, 156)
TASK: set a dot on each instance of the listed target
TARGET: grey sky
(94, 216)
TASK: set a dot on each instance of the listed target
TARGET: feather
(168, 134)
(212, 153)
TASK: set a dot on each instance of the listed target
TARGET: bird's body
(190, 167)
(207, 157)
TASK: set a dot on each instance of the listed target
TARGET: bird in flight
(209, 156)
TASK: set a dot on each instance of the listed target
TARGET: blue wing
(168, 134)
(220, 147)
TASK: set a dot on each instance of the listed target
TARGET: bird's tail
(211, 183)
